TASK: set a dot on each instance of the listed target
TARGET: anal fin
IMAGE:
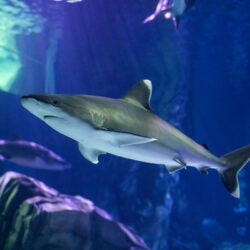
(203, 170)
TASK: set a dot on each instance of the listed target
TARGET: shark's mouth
(49, 117)
(52, 118)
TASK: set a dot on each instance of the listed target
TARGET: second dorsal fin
(140, 94)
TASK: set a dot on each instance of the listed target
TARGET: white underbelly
(156, 153)
(152, 152)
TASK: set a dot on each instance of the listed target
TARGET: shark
(31, 154)
(171, 10)
(127, 127)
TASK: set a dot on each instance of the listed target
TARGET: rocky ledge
(35, 216)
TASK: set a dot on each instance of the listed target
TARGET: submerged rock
(34, 216)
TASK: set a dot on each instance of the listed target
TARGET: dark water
(200, 76)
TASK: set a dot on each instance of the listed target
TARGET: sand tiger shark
(31, 154)
(127, 127)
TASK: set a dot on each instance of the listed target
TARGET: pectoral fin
(91, 154)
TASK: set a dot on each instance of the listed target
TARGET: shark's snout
(30, 103)
(34, 97)
(26, 96)
(28, 100)
(38, 105)
(46, 107)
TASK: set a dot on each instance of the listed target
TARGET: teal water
(200, 76)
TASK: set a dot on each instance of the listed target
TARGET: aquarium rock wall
(35, 216)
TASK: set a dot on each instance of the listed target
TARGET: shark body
(128, 128)
(31, 154)
(171, 10)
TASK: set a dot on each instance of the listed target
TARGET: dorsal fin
(140, 94)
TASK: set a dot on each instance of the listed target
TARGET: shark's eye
(55, 102)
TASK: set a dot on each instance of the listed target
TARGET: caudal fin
(234, 161)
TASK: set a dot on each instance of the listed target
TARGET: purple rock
(35, 216)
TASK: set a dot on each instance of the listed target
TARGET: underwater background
(200, 76)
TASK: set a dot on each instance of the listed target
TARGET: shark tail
(234, 161)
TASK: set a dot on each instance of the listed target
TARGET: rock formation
(35, 216)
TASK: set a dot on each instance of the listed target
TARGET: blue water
(201, 84)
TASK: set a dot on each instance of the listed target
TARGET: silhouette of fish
(31, 154)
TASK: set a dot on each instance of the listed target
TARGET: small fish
(162, 5)
(31, 154)
(127, 127)
(172, 10)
